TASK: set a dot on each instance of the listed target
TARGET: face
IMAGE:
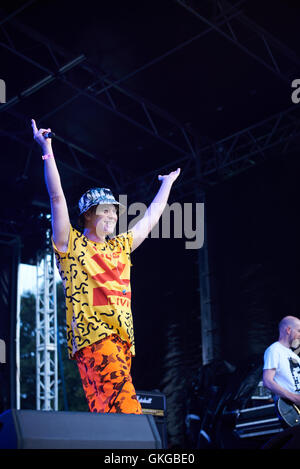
(294, 331)
(105, 219)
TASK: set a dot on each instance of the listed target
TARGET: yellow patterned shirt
(96, 280)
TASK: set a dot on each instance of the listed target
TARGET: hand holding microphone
(48, 134)
(42, 137)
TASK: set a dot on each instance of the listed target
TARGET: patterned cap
(96, 196)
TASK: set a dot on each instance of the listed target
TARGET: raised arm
(153, 213)
(59, 209)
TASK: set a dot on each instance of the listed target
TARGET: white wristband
(45, 157)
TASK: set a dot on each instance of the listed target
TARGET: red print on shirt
(101, 295)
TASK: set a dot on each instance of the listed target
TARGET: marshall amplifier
(154, 403)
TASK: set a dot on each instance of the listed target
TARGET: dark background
(219, 84)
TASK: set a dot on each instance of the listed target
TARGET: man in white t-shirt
(281, 373)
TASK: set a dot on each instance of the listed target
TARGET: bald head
(289, 330)
(288, 321)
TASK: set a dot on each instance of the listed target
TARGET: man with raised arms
(95, 271)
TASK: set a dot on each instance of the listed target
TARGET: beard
(294, 343)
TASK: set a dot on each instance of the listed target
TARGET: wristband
(45, 157)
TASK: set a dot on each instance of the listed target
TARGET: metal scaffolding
(46, 333)
(258, 43)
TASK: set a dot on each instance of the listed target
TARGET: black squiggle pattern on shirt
(72, 296)
(78, 286)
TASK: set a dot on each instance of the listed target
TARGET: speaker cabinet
(154, 403)
(31, 429)
(161, 425)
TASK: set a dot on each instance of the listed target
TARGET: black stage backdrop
(253, 233)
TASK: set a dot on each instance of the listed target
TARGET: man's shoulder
(74, 235)
(277, 347)
(274, 346)
(122, 238)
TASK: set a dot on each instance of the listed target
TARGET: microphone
(49, 135)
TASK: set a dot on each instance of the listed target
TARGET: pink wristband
(45, 157)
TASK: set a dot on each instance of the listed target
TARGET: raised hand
(171, 177)
(38, 136)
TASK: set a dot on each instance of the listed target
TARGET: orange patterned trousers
(104, 368)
